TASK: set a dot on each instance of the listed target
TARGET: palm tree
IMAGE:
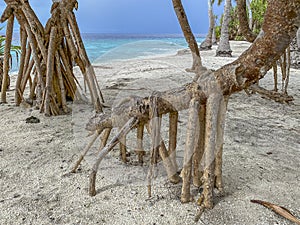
(188, 34)
(224, 49)
(295, 51)
(207, 43)
(243, 21)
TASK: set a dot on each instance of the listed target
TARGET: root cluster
(48, 56)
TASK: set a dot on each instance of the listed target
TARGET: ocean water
(102, 48)
(107, 47)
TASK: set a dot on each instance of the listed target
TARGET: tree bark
(279, 28)
(224, 49)
(7, 56)
(188, 34)
(243, 21)
(51, 64)
(207, 43)
(18, 92)
(50, 70)
(191, 141)
(298, 38)
(295, 51)
(248, 2)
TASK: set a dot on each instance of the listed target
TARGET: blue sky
(131, 16)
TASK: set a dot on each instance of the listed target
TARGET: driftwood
(49, 53)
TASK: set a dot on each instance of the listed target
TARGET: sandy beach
(261, 156)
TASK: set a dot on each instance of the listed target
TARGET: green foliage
(14, 48)
(258, 8)
(234, 25)
(218, 32)
(219, 2)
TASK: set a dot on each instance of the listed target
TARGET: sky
(131, 16)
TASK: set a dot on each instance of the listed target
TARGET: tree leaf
(279, 210)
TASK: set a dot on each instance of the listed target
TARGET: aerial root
(219, 144)
(155, 127)
(212, 111)
(203, 151)
(131, 123)
(139, 144)
(123, 149)
(173, 127)
(189, 150)
(104, 138)
(84, 152)
(199, 148)
(204, 142)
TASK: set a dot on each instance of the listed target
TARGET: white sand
(35, 157)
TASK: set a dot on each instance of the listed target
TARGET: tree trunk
(207, 43)
(214, 38)
(54, 50)
(295, 51)
(279, 29)
(250, 14)
(243, 21)
(7, 56)
(1, 71)
(298, 38)
(188, 34)
(224, 49)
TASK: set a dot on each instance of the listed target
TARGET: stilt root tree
(283, 61)
(48, 56)
(206, 99)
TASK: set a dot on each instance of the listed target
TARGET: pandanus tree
(250, 35)
(48, 56)
(206, 98)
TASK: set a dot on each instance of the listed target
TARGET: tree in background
(249, 23)
(224, 49)
(188, 34)
(214, 36)
(258, 9)
(207, 43)
(295, 51)
(48, 56)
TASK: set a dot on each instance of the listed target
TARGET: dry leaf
(279, 210)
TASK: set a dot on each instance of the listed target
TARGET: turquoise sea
(102, 48)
